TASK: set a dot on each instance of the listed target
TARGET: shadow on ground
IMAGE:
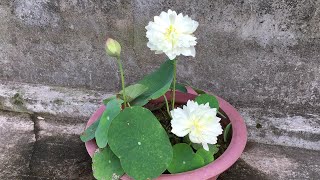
(60, 157)
(242, 171)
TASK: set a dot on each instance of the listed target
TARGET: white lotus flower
(199, 121)
(172, 34)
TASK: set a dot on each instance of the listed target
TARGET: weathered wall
(62, 42)
(254, 53)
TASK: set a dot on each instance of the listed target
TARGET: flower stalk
(167, 105)
(174, 82)
(122, 81)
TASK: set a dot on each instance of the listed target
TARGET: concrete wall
(254, 53)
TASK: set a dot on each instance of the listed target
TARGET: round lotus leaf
(106, 165)
(184, 159)
(140, 142)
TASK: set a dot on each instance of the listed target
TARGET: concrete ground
(38, 146)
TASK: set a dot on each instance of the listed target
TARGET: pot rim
(225, 161)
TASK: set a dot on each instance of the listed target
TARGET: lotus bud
(113, 48)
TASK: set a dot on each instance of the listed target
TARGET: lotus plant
(144, 139)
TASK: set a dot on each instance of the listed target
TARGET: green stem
(220, 113)
(167, 104)
(122, 81)
(174, 82)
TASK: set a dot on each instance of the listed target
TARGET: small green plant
(17, 99)
(58, 101)
(144, 140)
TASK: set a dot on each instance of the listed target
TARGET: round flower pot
(212, 170)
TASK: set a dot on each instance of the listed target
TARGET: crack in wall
(36, 127)
(36, 130)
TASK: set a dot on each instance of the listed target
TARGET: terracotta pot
(212, 170)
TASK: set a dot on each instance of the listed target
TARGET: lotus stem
(122, 81)
(174, 82)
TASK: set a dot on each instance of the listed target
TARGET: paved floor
(260, 161)
(45, 147)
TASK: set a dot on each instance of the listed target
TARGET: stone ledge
(64, 102)
(276, 127)
(273, 127)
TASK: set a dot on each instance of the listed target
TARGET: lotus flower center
(171, 34)
(196, 126)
